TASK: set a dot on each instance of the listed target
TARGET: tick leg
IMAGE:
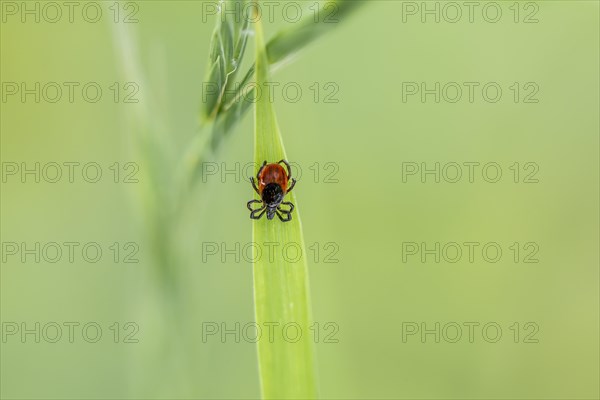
(288, 167)
(254, 185)
(260, 170)
(255, 201)
(253, 213)
(285, 215)
(287, 203)
(291, 187)
(288, 216)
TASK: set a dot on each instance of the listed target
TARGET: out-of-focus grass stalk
(281, 292)
(153, 148)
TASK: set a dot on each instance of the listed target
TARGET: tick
(272, 187)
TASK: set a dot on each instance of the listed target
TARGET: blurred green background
(370, 294)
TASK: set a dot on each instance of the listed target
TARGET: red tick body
(272, 188)
(272, 173)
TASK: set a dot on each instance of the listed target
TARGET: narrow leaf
(281, 291)
(288, 42)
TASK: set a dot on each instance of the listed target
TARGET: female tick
(272, 188)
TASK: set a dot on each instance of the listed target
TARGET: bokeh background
(370, 293)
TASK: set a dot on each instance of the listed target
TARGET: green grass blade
(287, 43)
(281, 291)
